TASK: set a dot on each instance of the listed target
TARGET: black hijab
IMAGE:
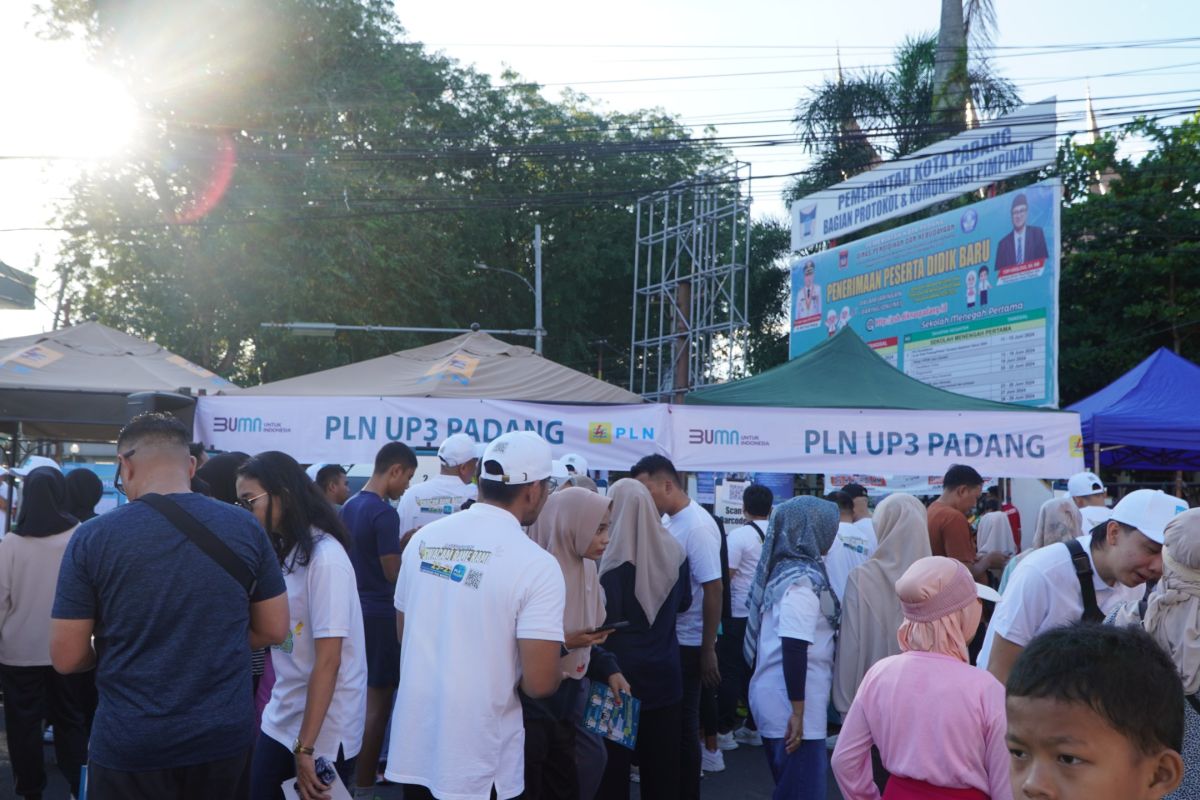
(84, 490)
(43, 504)
(220, 473)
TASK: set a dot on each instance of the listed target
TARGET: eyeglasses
(248, 502)
(117, 482)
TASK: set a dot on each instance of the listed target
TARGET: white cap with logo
(1148, 510)
(458, 450)
(575, 464)
(35, 462)
(523, 456)
(1084, 483)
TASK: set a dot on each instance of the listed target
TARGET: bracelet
(299, 749)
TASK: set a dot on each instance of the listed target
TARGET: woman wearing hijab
(573, 527)
(33, 690)
(938, 722)
(645, 580)
(1058, 520)
(1172, 618)
(993, 533)
(871, 612)
(793, 617)
(84, 490)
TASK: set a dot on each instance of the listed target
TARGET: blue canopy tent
(1145, 419)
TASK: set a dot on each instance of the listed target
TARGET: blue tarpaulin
(1146, 419)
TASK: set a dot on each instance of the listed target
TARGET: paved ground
(745, 778)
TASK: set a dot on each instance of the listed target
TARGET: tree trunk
(950, 72)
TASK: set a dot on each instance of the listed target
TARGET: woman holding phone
(573, 527)
(319, 698)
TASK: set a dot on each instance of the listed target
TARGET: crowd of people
(244, 624)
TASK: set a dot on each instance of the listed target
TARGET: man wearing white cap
(1088, 493)
(1083, 579)
(480, 612)
(574, 464)
(444, 493)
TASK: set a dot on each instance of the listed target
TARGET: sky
(740, 67)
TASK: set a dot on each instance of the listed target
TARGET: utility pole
(537, 287)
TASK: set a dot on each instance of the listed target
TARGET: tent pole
(1179, 483)
(1096, 457)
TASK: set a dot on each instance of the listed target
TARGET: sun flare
(75, 111)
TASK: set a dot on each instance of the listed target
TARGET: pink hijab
(941, 607)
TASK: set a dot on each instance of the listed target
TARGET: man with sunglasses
(173, 627)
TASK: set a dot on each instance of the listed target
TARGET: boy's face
(1066, 751)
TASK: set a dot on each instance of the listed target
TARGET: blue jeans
(801, 775)
(273, 764)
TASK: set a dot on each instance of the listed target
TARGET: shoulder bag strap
(202, 537)
(1193, 702)
(1083, 571)
(762, 537)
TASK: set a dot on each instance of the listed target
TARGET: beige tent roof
(473, 365)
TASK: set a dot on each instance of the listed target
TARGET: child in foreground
(1094, 712)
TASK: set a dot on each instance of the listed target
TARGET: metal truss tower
(691, 284)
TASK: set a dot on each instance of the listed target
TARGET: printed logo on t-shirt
(437, 570)
(459, 573)
(455, 552)
(436, 505)
(289, 643)
(854, 545)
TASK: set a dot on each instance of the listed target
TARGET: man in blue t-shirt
(374, 527)
(173, 629)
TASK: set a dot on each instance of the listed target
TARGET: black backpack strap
(1193, 702)
(1083, 571)
(762, 537)
(206, 540)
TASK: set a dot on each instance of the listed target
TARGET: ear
(1167, 775)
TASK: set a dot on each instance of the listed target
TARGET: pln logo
(1076, 445)
(808, 219)
(600, 433)
(843, 259)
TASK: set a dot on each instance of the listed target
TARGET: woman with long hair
(318, 701)
(644, 573)
(938, 722)
(33, 690)
(84, 490)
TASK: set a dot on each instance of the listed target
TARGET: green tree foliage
(853, 122)
(303, 161)
(1131, 256)
(770, 295)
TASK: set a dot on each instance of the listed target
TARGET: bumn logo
(718, 436)
(237, 424)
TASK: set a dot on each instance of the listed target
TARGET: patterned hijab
(799, 534)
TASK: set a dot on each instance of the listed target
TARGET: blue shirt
(374, 528)
(171, 631)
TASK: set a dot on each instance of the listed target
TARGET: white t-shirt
(1094, 515)
(852, 547)
(696, 530)
(440, 496)
(867, 526)
(797, 615)
(745, 548)
(470, 586)
(1043, 593)
(322, 604)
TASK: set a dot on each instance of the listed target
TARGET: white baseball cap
(35, 462)
(573, 462)
(523, 456)
(1084, 483)
(458, 450)
(1148, 510)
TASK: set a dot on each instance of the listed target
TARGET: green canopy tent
(842, 372)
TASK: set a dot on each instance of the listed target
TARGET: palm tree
(860, 119)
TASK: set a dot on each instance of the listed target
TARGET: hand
(795, 732)
(585, 638)
(308, 785)
(710, 673)
(618, 684)
(995, 559)
(406, 537)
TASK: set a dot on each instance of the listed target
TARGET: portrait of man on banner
(1025, 243)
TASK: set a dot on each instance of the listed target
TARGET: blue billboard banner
(965, 301)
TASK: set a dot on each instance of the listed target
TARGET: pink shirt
(934, 719)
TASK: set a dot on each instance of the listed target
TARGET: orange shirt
(950, 533)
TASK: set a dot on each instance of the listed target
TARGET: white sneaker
(725, 741)
(712, 760)
(748, 736)
(635, 774)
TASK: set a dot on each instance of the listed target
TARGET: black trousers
(693, 691)
(658, 755)
(550, 771)
(33, 694)
(735, 673)
(415, 792)
(198, 782)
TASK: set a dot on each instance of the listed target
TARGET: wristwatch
(299, 749)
